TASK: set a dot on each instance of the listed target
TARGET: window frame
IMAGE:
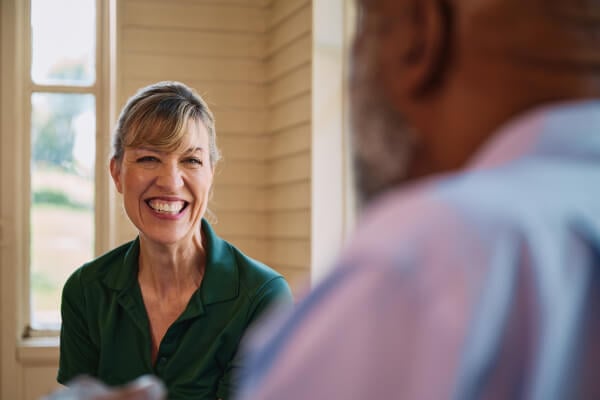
(333, 201)
(19, 356)
(102, 204)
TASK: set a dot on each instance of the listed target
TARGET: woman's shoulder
(96, 269)
(250, 267)
(255, 274)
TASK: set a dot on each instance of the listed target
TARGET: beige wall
(251, 61)
(288, 62)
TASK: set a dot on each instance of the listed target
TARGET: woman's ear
(416, 47)
(115, 172)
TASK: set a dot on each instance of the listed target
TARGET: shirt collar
(122, 275)
(564, 129)
(221, 278)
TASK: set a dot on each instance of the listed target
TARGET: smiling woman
(176, 301)
(166, 193)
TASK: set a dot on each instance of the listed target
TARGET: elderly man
(475, 268)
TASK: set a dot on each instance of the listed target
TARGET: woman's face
(166, 194)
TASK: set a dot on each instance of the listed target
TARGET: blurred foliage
(57, 198)
(52, 123)
(41, 282)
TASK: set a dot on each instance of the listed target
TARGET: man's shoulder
(451, 214)
(407, 213)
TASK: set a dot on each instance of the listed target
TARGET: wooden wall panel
(239, 95)
(294, 196)
(253, 247)
(264, 3)
(290, 113)
(164, 41)
(241, 173)
(289, 224)
(242, 147)
(237, 198)
(284, 9)
(290, 141)
(295, 83)
(241, 224)
(296, 26)
(193, 15)
(289, 170)
(288, 101)
(184, 68)
(296, 54)
(250, 123)
(289, 252)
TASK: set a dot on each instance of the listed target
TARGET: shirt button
(162, 360)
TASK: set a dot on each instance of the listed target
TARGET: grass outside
(62, 239)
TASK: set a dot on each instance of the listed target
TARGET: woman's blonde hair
(157, 115)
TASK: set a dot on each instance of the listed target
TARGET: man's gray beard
(382, 143)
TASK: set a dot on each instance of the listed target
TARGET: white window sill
(38, 351)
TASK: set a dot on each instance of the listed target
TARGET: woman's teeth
(169, 207)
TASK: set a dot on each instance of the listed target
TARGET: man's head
(432, 79)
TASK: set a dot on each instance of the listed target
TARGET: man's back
(478, 284)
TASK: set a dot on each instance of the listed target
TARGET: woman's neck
(173, 269)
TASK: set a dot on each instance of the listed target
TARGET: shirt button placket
(165, 350)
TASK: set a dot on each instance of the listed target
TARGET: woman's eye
(194, 161)
(147, 159)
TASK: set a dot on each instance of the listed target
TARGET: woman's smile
(167, 207)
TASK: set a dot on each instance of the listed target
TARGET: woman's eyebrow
(193, 150)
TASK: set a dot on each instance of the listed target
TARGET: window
(63, 107)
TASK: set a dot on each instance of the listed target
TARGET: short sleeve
(274, 294)
(78, 354)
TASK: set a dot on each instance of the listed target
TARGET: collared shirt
(483, 283)
(106, 333)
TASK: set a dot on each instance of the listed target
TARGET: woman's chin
(166, 238)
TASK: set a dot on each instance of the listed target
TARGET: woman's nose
(169, 176)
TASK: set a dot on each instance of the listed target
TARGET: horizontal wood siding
(192, 15)
(288, 54)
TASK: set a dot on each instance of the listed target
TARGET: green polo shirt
(106, 333)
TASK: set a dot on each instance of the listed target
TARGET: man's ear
(416, 48)
(115, 172)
